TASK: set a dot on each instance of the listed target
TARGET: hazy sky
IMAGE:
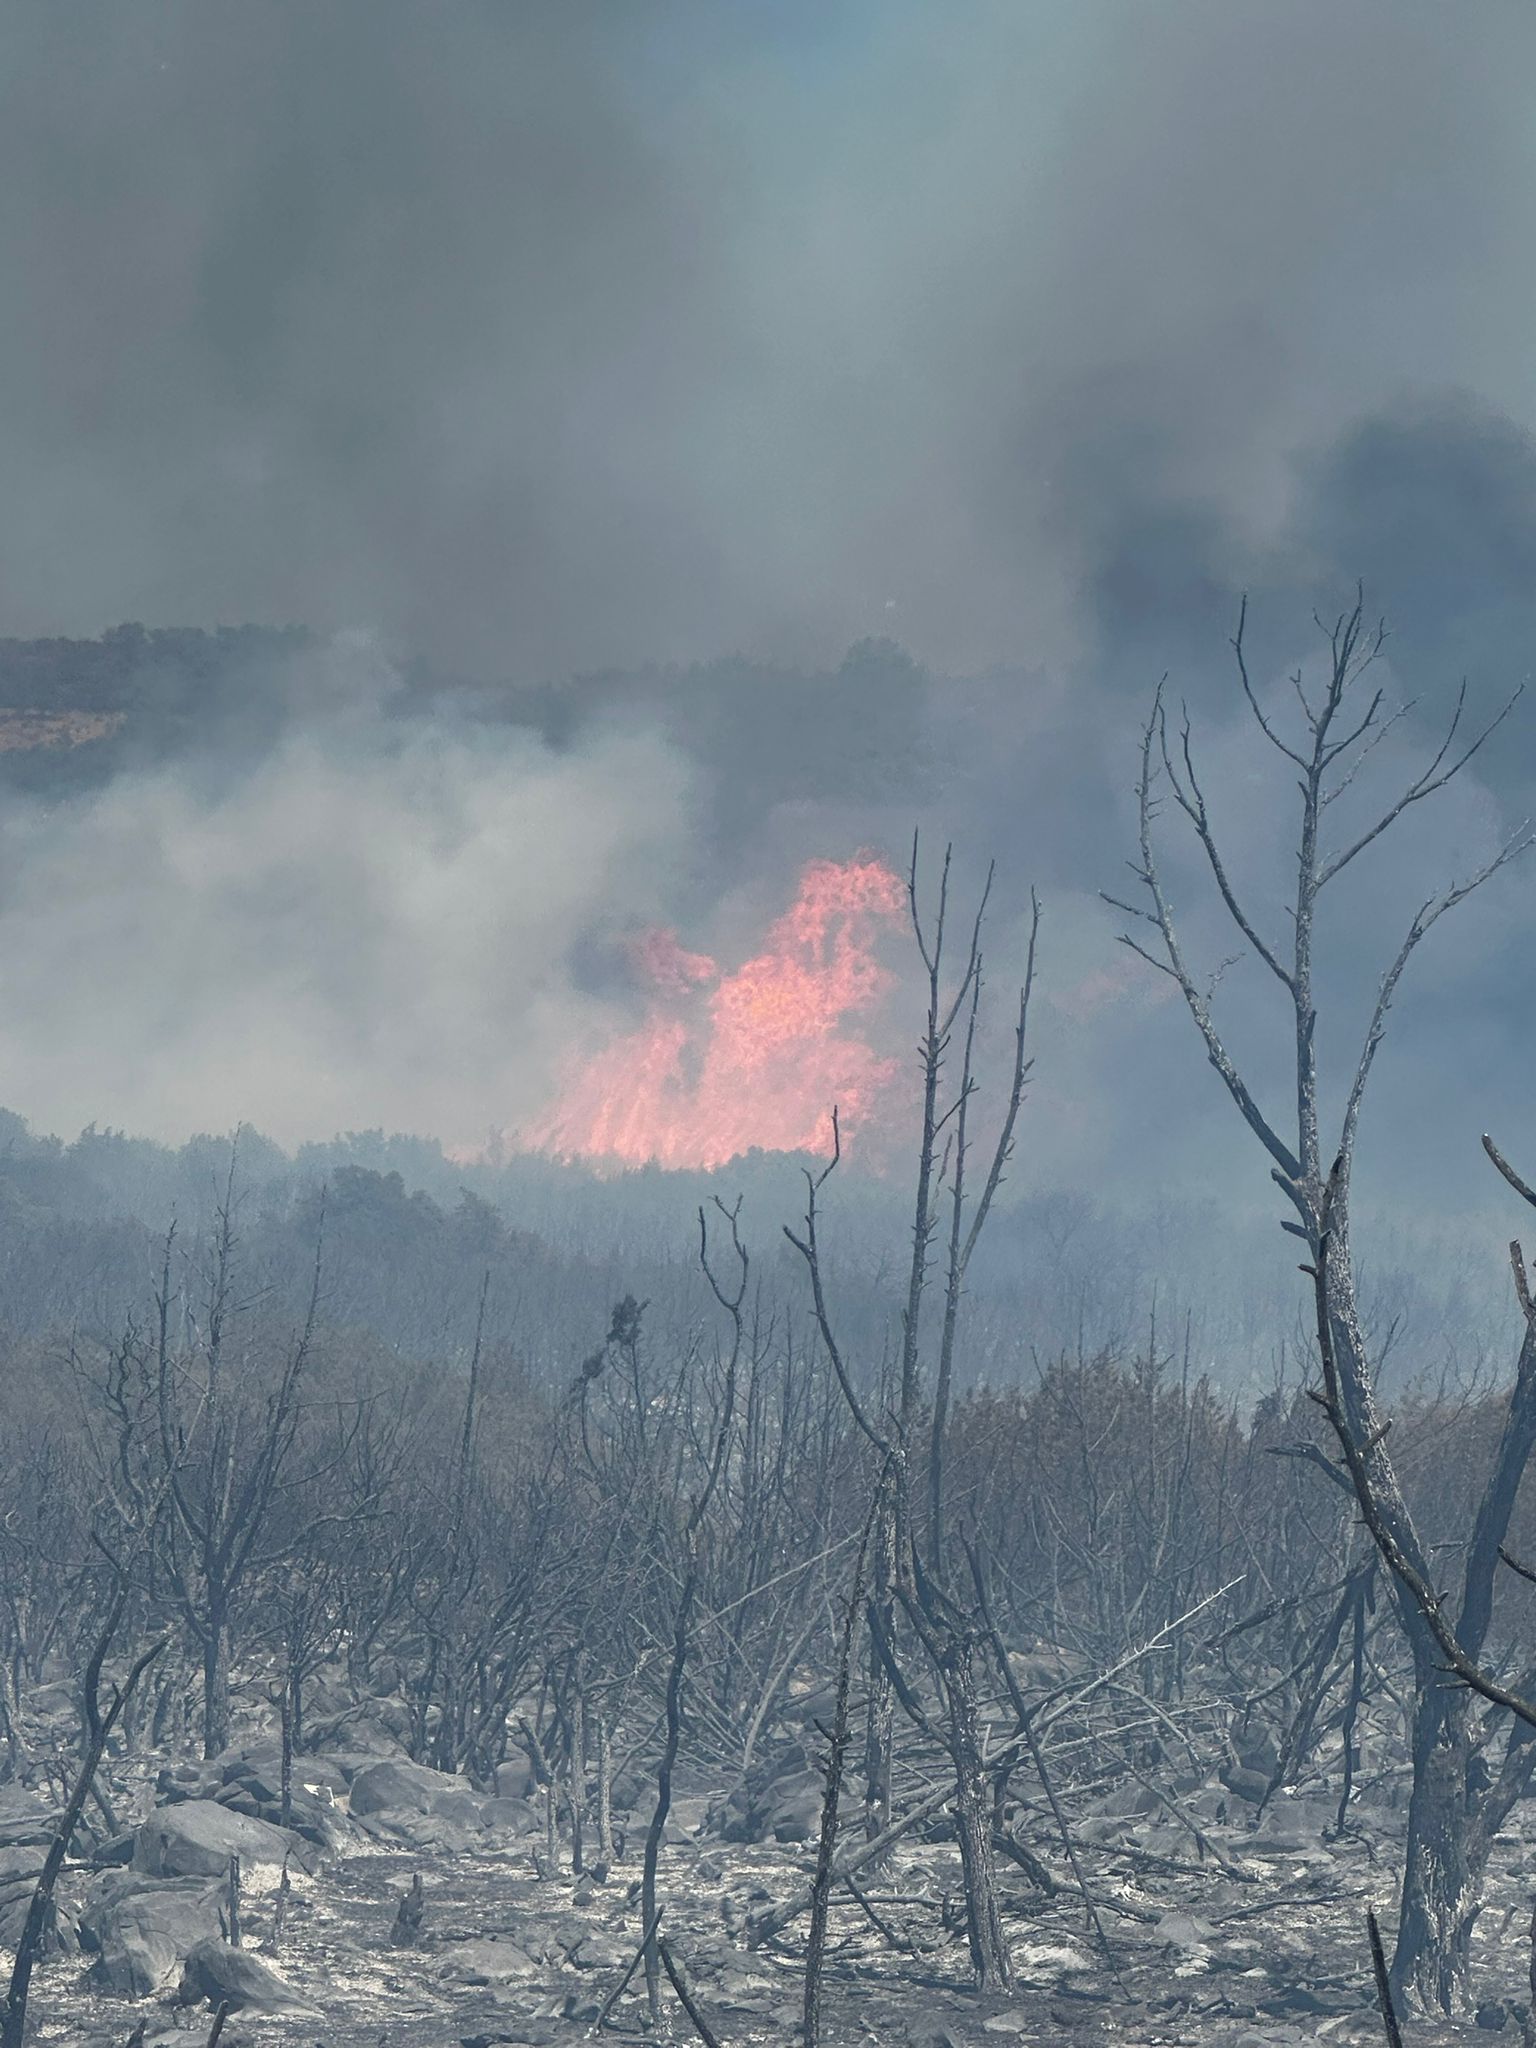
(548, 334)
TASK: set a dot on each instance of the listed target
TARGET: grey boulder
(216, 1974)
(197, 1837)
(411, 1788)
(19, 1872)
(141, 1929)
(424, 1809)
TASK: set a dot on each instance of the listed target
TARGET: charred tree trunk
(578, 1779)
(1446, 1852)
(605, 1792)
(653, 1835)
(294, 1732)
(880, 1708)
(216, 1682)
(983, 1922)
(1454, 1814)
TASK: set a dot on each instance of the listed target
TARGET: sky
(541, 340)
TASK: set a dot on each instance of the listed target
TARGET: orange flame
(762, 1059)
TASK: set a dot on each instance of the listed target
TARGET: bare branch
(1198, 1008)
(1521, 1188)
(1191, 800)
(1433, 778)
(1248, 691)
(1428, 914)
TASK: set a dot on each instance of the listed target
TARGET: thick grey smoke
(544, 338)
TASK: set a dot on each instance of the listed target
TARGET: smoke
(543, 339)
(373, 922)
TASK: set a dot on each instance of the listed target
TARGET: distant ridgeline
(69, 708)
(134, 665)
(73, 710)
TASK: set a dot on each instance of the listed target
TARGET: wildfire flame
(755, 1056)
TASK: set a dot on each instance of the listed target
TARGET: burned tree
(1458, 1800)
(909, 1561)
(97, 1729)
(194, 1436)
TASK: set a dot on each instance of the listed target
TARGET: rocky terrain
(1223, 1927)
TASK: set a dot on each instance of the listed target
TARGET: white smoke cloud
(370, 924)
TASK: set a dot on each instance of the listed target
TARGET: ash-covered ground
(1218, 1926)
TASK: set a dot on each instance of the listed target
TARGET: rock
(791, 1811)
(782, 1806)
(24, 1818)
(141, 1930)
(60, 1936)
(1129, 1800)
(252, 1784)
(515, 1778)
(411, 1788)
(318, 1820)
(24, 1861)
(1247, 1784)
(1184, 1931)
(312, 1811)
(1260, 1756)
(216, 1974)
(424, 1809)
(376, 1728)
(258, 1769)
(321, 1776)
(265, 1786)
(1048, 1962)
(633, 1791)
(427, 1833)
(601, 1949)
(197, 1837)
(490, 1961)
(510, 1816)
(1493, 2017)
(1296, 1998)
